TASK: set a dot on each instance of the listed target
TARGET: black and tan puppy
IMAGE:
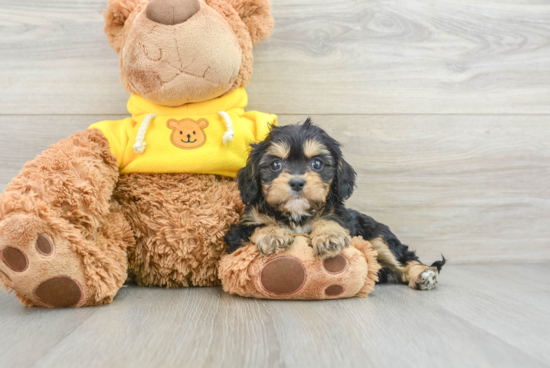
(296, 181)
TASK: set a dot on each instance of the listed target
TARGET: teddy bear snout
(171, 12)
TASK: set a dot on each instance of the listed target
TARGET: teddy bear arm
(75, 178)
(58, 225)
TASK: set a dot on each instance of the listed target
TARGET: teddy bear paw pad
(335, 265)
(42, 269)
(283, 276)
(334, 290)
(15, 259)
(59, 292)
(44, 245)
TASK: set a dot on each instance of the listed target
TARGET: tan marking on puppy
(420, 276)
(279, 195)
(416, 274)
(315, 190)
(385, 256)
(271, 239)
(313, 147)
(279, 149)
(255, 218)
(329, 238)
(296, 207)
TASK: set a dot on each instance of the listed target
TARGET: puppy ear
(344, 183)
(115, 17)
(249, 176)
(248, 183)
(256, 14)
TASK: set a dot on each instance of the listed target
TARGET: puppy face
(296, 170)
(296, 175)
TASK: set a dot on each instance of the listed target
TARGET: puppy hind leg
(391, 267)
(407, 269)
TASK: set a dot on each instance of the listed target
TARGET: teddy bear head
(174, 52)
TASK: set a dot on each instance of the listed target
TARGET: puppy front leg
(329, 238)
(271, 239)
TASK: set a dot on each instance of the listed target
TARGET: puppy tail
(439, 264)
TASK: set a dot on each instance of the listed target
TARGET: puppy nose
(297, 184)
(171, 12)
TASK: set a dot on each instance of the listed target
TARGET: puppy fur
(296, 181)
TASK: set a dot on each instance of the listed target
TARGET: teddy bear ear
(202, 123)
(256, 14)
(115, 16)
(172, 124)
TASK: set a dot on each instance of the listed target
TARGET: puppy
(296, 181)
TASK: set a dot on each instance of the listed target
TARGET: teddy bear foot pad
(41, 270)
(287, 275)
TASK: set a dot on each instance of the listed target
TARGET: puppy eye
(276, 166)
(316, 164)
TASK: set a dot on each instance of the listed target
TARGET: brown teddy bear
(151, 195)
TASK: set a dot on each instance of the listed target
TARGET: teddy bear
(150, 196)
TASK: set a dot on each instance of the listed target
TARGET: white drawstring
(229, 134)
(139, 146)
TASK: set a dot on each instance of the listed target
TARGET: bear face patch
(188, 133)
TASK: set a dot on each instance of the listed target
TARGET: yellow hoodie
(211, 137)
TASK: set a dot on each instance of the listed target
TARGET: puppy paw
(426, 280)
(328, 245)
(275, 240)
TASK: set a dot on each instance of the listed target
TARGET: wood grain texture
(480, 315)
(324, 57)
(474, 188)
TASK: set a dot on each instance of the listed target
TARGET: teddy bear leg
(179, 221)
(62, 244)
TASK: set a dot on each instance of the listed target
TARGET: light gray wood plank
(474, 188)
(471, 187)
(29, 334)
(325, 57)
(506, 301)
(25, 137)
(203, 327)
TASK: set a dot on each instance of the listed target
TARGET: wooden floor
(443, 108)
(479, 316)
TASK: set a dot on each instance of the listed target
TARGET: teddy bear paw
(41, 268)
(286, 276)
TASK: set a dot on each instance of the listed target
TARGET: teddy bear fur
(98, 226)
